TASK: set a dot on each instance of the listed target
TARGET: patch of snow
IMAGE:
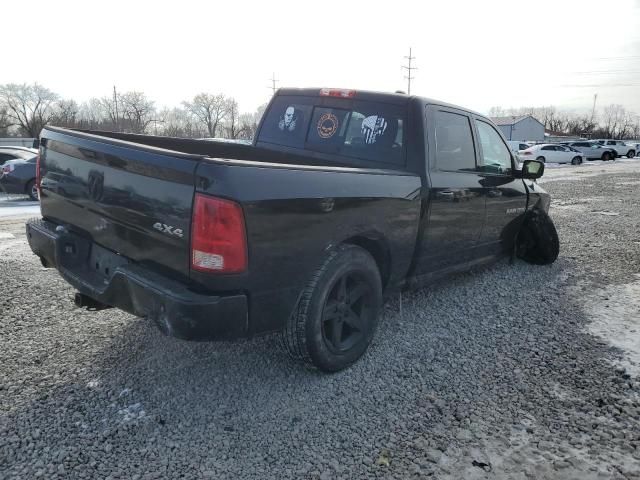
(615, 315)
(611, 214)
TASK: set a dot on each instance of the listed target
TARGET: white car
(621, 148)
(515, 145)
(551, 153)
(592, 150)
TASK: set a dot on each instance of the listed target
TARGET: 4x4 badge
(164, 228)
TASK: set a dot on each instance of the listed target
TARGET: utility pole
(593, 110)
(115, 101)
(273, 80)
(409, 69)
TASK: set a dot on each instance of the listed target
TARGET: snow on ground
(615, 315)
(17, 205)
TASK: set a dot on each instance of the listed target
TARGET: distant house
(522, 128)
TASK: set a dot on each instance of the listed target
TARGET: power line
(115, 100)
(273, 81)
(409, 69)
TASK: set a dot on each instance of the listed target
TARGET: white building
(522, 128)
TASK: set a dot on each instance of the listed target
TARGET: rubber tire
(576, 161)
(631, 154)
(541, 159)
(606, 156)
(302, 335)
(538, 241)
(29, 188)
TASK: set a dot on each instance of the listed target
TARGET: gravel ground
(511, 372)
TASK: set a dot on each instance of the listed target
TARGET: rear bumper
(176, 310)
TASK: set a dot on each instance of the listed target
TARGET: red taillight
(337, 92)
(38, 178)
(527, 153)
(218, 238)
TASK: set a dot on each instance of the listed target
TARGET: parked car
(516, 146)
(337, 202)
(19, 176)
(552, 153)
(636, 146)
(592, 150)
(620, 147)
(14, 153)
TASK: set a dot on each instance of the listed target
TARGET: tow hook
(84, 301)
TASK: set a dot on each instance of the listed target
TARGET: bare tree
(5, 122)
(232, 127)
(210, 110)
(497, 111)
(30, 107)
(109, 107)
(66, 114)
(614, 120)
(91, 114)
(249, 123)
(177, 122)
(137, 109)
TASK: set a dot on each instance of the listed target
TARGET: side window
(523, 146)
(495, 154)
(547, 147)
(454, 142)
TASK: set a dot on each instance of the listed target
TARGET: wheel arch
(378, 247)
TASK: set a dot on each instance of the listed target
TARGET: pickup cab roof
(396, 98)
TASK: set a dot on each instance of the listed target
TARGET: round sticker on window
(327, 125)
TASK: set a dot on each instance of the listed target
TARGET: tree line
(613, 121)
(26, 108)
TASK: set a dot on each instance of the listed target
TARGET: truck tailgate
(131, 199)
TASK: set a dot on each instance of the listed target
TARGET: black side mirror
(532, 169)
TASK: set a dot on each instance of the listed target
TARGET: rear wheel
(576, 161)
(541, 159)
(538, 241)
(32, 190)
(337, 314)
(606, 156)
(631, 154)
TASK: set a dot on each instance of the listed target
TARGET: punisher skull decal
(327, 125)
(373, 127)
(288, 120)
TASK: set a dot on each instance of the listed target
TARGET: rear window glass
(363, 130)
(286, 122)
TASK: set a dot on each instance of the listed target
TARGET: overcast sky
(473, 53)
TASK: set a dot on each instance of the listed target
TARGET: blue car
(18, 175)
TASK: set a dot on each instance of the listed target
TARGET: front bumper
(114, 280)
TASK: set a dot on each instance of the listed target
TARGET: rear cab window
(362, 130)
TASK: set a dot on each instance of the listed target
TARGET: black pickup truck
(343, 197)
